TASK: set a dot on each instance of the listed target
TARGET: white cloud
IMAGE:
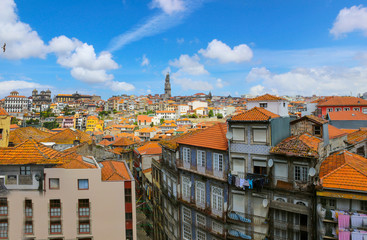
(350, 20)
(145, 61)
(189, 84)
(189, 65)
(120, 86)
(257, 90)
(219, 50)
(21, 41)
(90, 76)
(320, 81)
(219, 83)
(257, 73)
(169, 6)
(19, 85)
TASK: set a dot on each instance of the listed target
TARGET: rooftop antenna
(4, 47)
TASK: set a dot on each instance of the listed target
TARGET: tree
(219, 116)
(14, 120)
(162, 121)
(152, 124)
(211, 113)
(51, 125)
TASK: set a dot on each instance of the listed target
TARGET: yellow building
(4, 128)
(94, 124)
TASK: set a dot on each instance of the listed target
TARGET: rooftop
(20, 135)
(311, 118)
(266, 97)
(255, 114)
(149, 148)
(114, 171)
(358, 136)
(343, 101)
(68, 136)
(347, 115)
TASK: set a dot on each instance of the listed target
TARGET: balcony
(238, 234)
(217, 175)
(25, 180)
(249, 181)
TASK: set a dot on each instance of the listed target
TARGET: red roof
(344, 170)
(114, 171)
(3, 112)
(358, 136)
(150, 148)
(335, 132)
(255, 114)
(266, 97)
(212, 137)
(343, 101)
(347, 115)
(144, 117)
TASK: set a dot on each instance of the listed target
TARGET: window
(239, 134)
(186, 218)
(364, 110)
(259, 135)
(300, 173)
(54, 183)
(280, 233)
(364, 205)
(200, 220)
(3, 228)
(338, 109)
(28, 227)
(259, 166)
(263, 105)
(328, 203)
(356, 109)
(218, 162)
(329, 110)
(200, 193)
(217, 227)
(186, 231)
(55, 227)
(201, 160)
(217, 199)
(186, 154)
(186, 215)
(347, 109)
(201, 235)
(55, 208)
(83, 184)
(128, 216)
(25, 170)
(317, 130)
(28, 208)
(128, 195)
(83, 207)
(84, 226)
(186, 190)
(3, 206)
(280, 215)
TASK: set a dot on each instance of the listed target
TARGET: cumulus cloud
(350, 20)
(320, 81)
(21, 41)
(189, 65)
(219, 83)
(169, 6)
(189, 84)
(145, 61)
(19, 85)
(257, 90)
(257, 73)
(221, 51)
(120, 86)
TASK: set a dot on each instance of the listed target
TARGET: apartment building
(47, 194)
(15, 103)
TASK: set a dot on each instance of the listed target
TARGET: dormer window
(263, 105)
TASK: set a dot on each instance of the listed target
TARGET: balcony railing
(249, 180)
(219, 175)
(237, 217)
(239, 234)
(25, 180)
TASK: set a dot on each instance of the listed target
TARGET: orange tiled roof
(144, 117)
(92, 118)
(311, 118)
(3, 112)
(356, 137)
(343, 101)
(74, 161)
(255, 114)
(212, 137)
(149, 148)
(344, 170)
(105, 142)
(68, 136)
(266, 97)
(29, 152)
(123, 142)
(347, 115)
(349, 130)
(20, 135)
(114, 171)
(304, 145)
(14, 126)
(335, 132)
(172, 141)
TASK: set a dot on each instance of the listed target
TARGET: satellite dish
(270, 162)
(265, 203)
(312, 172)
(229, 135)
(37, 177)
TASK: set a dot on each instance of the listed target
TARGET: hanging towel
(356, 221)
(237, 182)
(343, 221)
(344, 235)
(242, 181)
(357, 236)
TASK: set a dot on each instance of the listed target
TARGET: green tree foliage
(162, 121)
(50, 125)
(219, 116)
(211, 113)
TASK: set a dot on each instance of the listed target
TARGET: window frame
(54, 225)
(53, 179)
(80, 181)
(200, 193)
(217, 162)
(217, 200)
(4, 207)
(83, 207)
(201, 158)
(302, 172)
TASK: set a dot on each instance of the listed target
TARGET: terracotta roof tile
(343, 101)
(266, 97)
(255, 114)
(105, 143)
(20, 135)
(335, 132)
(68, 136)
(114, 171)
(344, 170)
(123, 142)
(304, 145)
(212, 137)
(311, 118)
(347, 115)
(149, 148)
(74, 161)
(3, 112)
(356, 137)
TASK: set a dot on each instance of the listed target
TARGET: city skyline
(121, 47)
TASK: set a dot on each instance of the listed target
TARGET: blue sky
(227, 47)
